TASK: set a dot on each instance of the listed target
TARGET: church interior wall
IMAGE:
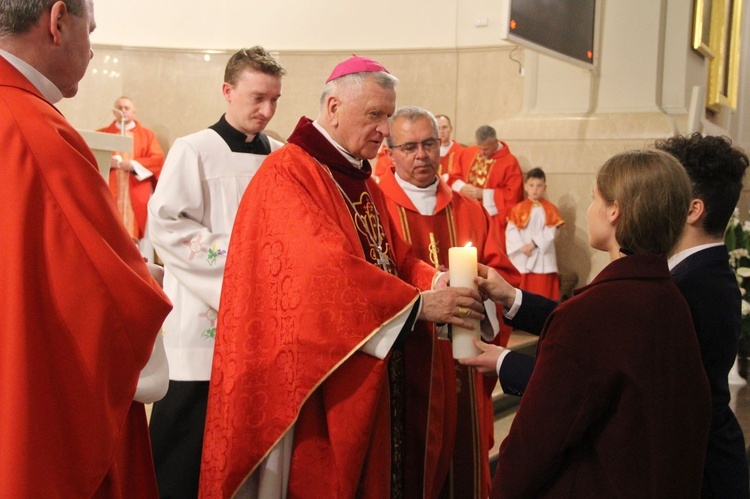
(552, 114)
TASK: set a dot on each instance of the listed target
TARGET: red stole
(288, 339)
(449, 162)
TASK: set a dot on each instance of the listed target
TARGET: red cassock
(80, 313)
(436, 417)
(500, 172)
(301, 295)
(148, 152)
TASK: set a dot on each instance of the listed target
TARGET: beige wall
(552, 114)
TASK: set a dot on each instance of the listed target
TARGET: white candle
(462, 263)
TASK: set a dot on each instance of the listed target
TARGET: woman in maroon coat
(618, 404)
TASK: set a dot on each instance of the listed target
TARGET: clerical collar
(237, 140)
(424, 199)
(128, 126)
(675, 259)
(445, 148)
(357, 163)
(41, 82)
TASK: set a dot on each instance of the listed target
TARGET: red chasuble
(302, 293)
(80, 312)
(132, 195)
(500, 172)
(449, 162)
(436, 417)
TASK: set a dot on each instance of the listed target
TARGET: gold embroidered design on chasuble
(434, 246)
(480, 170)
(433, 249)
(367, 222)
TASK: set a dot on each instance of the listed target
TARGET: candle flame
(468, 245)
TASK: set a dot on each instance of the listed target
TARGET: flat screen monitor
(566, 29)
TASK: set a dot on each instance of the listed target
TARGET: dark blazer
(615, 365)
(516, 369)
(710, 288)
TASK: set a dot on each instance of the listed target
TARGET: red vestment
(449, 162)
(500, 172)
(80, 313)
(148, 152)
(382, 162)
(432, 427)
(300, 297)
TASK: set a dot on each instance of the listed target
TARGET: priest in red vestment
(453, 402)
(133, 176)
(489, 173)
(80, 311)
(450, 150)
(319, 294)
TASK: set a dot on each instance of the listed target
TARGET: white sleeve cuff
(458, 185)
(488, 200)
(500, 360)
(381, 342)
(141, 172)
(511, 312)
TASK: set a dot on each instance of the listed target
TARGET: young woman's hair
(653, 193)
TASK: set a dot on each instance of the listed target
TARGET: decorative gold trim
(702, 27)
(724, 69)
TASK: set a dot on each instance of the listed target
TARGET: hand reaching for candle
(485, 362)
(494, 287)
(452, 306)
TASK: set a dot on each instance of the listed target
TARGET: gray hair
(18, 16)
(485, 133)
(384, 80)
(412, 114)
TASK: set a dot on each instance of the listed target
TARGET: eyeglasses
(428, 145)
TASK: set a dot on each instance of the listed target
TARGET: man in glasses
(489, 173)
(451, 401)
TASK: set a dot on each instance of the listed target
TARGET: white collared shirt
(41, 82)
(357, 163)
(678, 257)
(423, 198)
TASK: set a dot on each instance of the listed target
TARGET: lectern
(103, 145)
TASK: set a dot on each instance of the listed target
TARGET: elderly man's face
(361, 118)
(418, 166)
(127, 108)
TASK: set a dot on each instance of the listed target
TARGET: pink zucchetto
(356, 64)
